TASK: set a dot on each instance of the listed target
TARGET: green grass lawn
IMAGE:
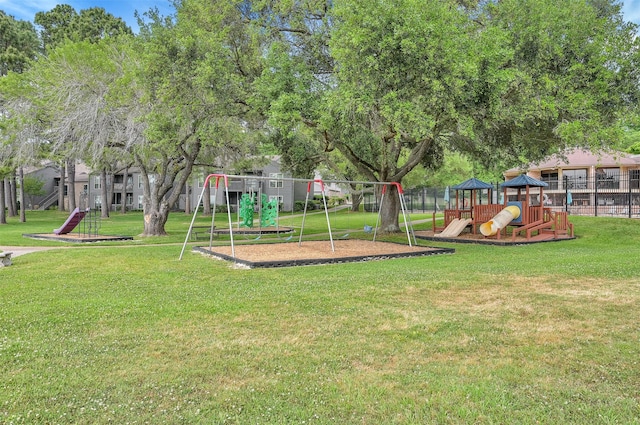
(98, 334)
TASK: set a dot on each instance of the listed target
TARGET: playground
(261, 235)
(81, 226)
(257, 232)
(520, 218)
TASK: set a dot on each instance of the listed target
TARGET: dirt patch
(317, 252)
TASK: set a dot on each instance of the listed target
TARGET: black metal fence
(602, 195)
(428, 199)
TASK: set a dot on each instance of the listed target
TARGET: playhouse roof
(472, 184)
(524, 180)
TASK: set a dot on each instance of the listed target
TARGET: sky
(26, 9)
(631, 10)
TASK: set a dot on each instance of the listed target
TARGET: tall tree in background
(70, 86)
(19, 44)
(63, 23)
(299, 72)
(60, 26)
(568, 74)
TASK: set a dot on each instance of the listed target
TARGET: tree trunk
(356, 200)
(3, 214)
(389, 211)
(13, 195)
(104, 205)
(110, 189)
(163, 190)
(187, 199)
(356, 197)
(23, 217)
(8, 202)
(155, 217)
(63, 172)
(123, 196)
(71, 185)
(206, 200)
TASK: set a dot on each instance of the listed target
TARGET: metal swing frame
(225, 178)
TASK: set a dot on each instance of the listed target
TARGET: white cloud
(25, 10)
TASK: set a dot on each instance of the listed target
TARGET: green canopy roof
(472, 184)
(523, 180)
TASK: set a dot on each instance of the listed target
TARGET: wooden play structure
(522, 213)
(465, 211)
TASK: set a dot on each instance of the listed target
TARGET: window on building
(275, 183)
(634, 179)
(152, 180)
(581, 199)
(280, 199)
(140, 203)
(608, 178)
(97, 183)
(576, 179)
(551, 178)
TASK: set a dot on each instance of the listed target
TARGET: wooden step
(541, 237)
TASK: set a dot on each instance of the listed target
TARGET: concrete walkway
(21, 250)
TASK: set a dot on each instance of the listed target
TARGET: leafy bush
(299, 206)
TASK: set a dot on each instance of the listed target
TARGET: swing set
(269, 214)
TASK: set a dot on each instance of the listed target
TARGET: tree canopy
(63, 23)
(511, 81)
(19, 44)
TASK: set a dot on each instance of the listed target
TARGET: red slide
(74, 218)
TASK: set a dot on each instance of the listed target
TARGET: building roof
(580, 158)
(522, 181)
(472, 184)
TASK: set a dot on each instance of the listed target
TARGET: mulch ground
(316, 252)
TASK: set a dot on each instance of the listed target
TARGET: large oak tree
(512, 80)
(191, 80)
